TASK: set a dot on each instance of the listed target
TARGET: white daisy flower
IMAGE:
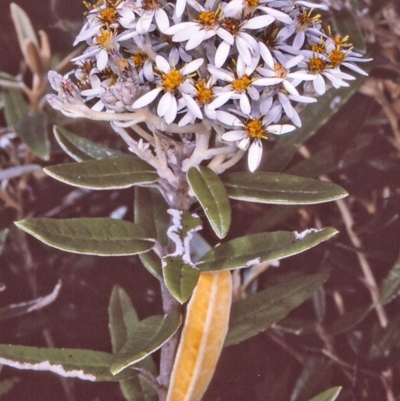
(282, 72)
(150, 9)
(233, 31)
(249, 133)
(172, 82)
(241, 85)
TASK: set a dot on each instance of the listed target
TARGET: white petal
(233, 8)
(298, 40)
(290, 88)
(253, 93)
(222, 53)
(355, 68)
(221, 99)
(163, 64)
(186, 33)
(188, 118)
(279, 15)
(228, 119)
(293, 61)
(196, 39)
(245, 104)
(192, 105)
(302, 75)
(102, 59)
(220, 73)
(162, 20)
(244, 50)
(266, 55)
(180, 7)
(192, 66)
(143, 25)
(232, 136)
(244, 143)
(226, 36)
(280, 129)
(171, 114)
(146, 99)
(172, 30)
(319, 84)
(259, 22)
(287, 106)
(302, 99)
(255, 154)
(164, 104)
(267, 81)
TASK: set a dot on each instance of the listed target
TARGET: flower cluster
(242, 65)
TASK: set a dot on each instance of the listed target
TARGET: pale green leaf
(150, 212)
(258, 248)
(33, 131)
(276, 188)
(152, 263)
(23, 26)
(81, 149)
(256, 313)
(3, 236)
(180, 278)
(104, 174)
(83, 364)
(328, 395)
(211, 194)
(122, 318)
(149, 335)
(9, 81)
(390, 287)
(15, 107)
(91, 236)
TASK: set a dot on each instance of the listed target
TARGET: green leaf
(123, 320)
(83, 364)
(256, 313)
(91, 236)
(258, 248)
(23, 26)
(313, 117)
(328, 395)
(149, 335)
(211, 194)
(81, 149)
(33, 131)
(390, 287)
(276, 188)
(104, 174)
(348, 320)
(150, 212)
(9, 81)
(180, 278)
(15, 107)
(152, 263)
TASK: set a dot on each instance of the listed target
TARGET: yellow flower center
(105, 39)
(172, 80)
(336, 57)
(241, 84)
(108, 73)
(252, 3)
(108, 15)
(232, 25)
(255, 128)
(318, 48)
(305, 20)
(139, 59)
(280, 70)
(208, 19)
(204, 95)
(316, 65)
